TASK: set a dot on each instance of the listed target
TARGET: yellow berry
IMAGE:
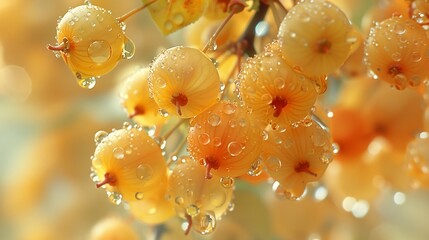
(395, 52)
(136, 99)
(127, 162)
(226, 139)
(297, 155)
(196, 198)
(315, 37)
(184, 81)
(276, 93)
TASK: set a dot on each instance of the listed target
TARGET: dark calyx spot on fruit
(278, 103)
(109, 178)
(394, 70)
(179, 100)
(138, 110)
(211, 163)
(323, 46)
(304, 166)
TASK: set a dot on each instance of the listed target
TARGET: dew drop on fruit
(217, 141)
(144, 172)
(192, 210)
(87, 83)
(99, 51)
(235, 148)
(205, 223)
(273, 163)
(160, 83)
(229, 109)
(118, 153)
(416, 57)
(139, 195)
(129, 49)
(399, 28)
(214, 119)
(227, 182)
(204, 138)
(179, 200)
(256, 168)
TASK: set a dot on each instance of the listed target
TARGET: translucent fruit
(226, 139)
(137, 101)
(395, 52)
(152, 207)
(128, 162)
(184, 81)
(113, 228)
(91, 42)
(296, 156)
(198, 200)
(315, 37)
(276, 93)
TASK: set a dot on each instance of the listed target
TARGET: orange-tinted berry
(226, 139)
(184, 81)
(395, 52)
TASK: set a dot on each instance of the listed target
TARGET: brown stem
(168, 134)
(108, 179)
(134, 11)
(189, 220)
(63, 46)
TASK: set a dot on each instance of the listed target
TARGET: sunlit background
(47, 124)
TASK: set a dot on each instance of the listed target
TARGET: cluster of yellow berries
(260, 120)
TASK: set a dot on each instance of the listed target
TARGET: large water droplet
(129, 49)
(228, 109)
(399, 28)
(144, 172)
(87, 83)
(204, 138)
(114, 197)
(273, 163)
(205, 223)
(179, 200)
(256, 168)
(214, 120)
(235, 148)
(99, 51)
(118, 153)
(99, 136)
(192, 210)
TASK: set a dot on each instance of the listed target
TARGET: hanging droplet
(192, 210)
(129, 49)
(87, 83)
(179, 200)
(99, 51)
(256, 168)
(161, 142)
(114, 197)
(205, 223)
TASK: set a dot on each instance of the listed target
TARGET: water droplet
(396, 56)
(99, 51)
(161, 142)
(266, 98)
(227, 182)
(87, 83)
(178, 19)
(318, 138)
(304, 17)
(217, 141)
(179, 200)
(231, 207)
(214, 119)
(327, 157)
(139, 195)
(416, 57)
(279, 83)
(99, 136)
(400, 81)
(228, 108)
(129, 49)
(161, 83)
(335, 148)
(273, 163)
(205, 223)
(144, 172)
(114, 197)
(204, 138)
(235, 148)
(399, 28)
(192, 210)
(262, 29)
(118, 153)
(256, 168)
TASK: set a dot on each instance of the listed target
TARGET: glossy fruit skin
(315, 37)
(94, 38)
(184, 81)
(133, 160)
(226, 139)
(395, 50)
